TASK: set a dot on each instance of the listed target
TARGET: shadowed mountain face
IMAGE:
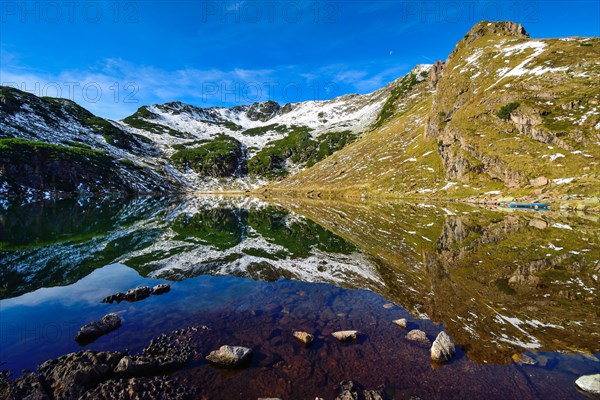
(500, 282)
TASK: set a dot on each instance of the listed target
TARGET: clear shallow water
(470, 270)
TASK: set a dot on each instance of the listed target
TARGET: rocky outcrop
(104, 375)
(346, 336)
(230, 356)
(90, 332)
(263, 111)
(443, 348)
(29, 386)
(70, 376)
(436, 72)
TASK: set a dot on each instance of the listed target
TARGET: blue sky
(114, 56)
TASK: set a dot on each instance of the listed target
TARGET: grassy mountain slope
(505, 115)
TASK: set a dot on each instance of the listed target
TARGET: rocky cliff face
(496, 65)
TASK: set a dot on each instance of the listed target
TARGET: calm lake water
(507, 286)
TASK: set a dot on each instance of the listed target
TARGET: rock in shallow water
(443, 348)
(69, 376)
(402, 323)
(160, 289)
(346, 336)
(418, 335)
(306, 338)
(349, 390)
(139, 293)
(589, 383)
(230, 356)
(94, 330)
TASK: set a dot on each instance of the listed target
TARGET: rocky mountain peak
(263, 111)
(495, 28)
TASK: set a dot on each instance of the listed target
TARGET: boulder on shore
(443, 348)
(93, 330)
(230, 356)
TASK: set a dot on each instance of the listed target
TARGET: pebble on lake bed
(306, 338)
(418, 335)
(402, 323)
(346, 336)
(230, 356)
(589, 383)
(443, 348)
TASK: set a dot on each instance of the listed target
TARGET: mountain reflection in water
(502, 284)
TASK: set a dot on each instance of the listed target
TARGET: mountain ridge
(504, 115)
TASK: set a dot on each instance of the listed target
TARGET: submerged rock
(418, 335)
(230, 356)
(523, 359)
(443, 348)
(93, 330)
(141, 365)
(349, 390)
(158, 387)
(306, 338)
(346, 336)
(402, 323)
(589, 383)
(161, 288)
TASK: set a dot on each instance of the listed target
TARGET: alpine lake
(516, 291)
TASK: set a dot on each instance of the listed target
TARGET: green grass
(261, 130)
(219, 157)
(505, 111)
(389, 108)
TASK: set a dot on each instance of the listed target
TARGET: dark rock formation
(138, 293)
(90, 332)
(70, 376)
(161, 288)
(263, 111)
